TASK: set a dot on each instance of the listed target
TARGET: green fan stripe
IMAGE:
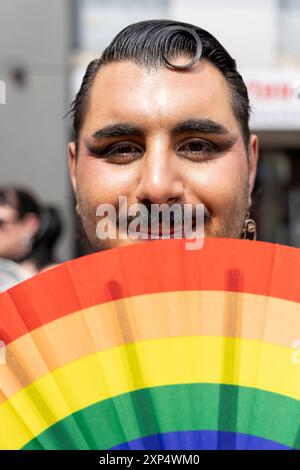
(176, 408)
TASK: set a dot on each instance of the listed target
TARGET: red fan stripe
(159, 266)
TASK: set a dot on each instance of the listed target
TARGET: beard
(232, 222)
(229, 224)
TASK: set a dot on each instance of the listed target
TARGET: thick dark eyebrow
(118, 130)
(204, 126)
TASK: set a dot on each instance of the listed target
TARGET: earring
(249, 229)
(77, 208)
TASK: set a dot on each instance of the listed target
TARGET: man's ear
(72, 165)
(253, 154)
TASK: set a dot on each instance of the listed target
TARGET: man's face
(162, 136)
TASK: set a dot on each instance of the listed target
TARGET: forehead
(125, 91)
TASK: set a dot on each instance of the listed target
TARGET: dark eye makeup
(199, 149)
(195, 149)
(124, 151)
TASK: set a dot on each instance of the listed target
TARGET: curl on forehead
(153, 46)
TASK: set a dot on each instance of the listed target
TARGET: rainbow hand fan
(152, 346)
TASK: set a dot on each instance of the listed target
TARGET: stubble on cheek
(87, 214)
(229, 214)
(232, 219)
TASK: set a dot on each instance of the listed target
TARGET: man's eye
(197, 149)
(125, 152)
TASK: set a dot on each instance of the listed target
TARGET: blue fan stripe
(201, 440)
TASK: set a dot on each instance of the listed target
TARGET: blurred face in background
(163, 136)
(15, 233)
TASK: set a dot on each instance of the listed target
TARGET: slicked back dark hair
(156, 43)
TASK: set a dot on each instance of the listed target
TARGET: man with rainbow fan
(150, 345)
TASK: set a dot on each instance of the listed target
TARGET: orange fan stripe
(148, 317)
(159, 266)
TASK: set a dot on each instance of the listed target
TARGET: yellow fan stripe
(152, 363)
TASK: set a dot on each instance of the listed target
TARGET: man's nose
(159, 180)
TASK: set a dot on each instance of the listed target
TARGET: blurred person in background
(19, 225)
(29, 233)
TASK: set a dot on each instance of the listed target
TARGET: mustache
(156, 217)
